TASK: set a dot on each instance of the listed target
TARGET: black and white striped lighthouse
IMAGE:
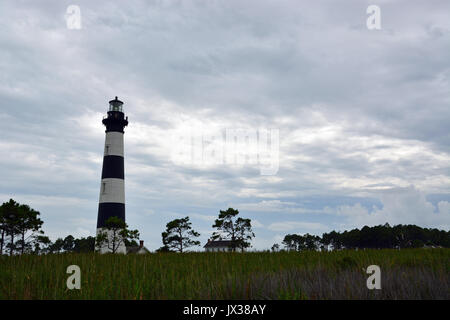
(112, 189)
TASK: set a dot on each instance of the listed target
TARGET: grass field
(405, 274)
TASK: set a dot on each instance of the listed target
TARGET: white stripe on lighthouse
(114, 144)
(112, 190)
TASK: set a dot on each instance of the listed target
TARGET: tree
(27, 225)
(275, 247)
(244, 233)
(333, 238)
(179, 234)
(84, 244)
(10, 213)
(68, 243)
(56, 246)
(164, 249)
(311, 242)
(385, 236)
(239, 230)
(293, 242)
(19, 222)
(41, 244)
(130, 243)
(114, 234)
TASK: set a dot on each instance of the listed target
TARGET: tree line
(21, 232)
(377, 237)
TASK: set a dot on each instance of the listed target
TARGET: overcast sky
(363, 115)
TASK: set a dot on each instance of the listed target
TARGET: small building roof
(136, 249)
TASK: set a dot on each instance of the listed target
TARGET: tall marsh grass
(405, 274)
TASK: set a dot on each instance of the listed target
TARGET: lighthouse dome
(116, 105)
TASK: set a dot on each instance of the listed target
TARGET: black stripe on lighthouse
(107, 210)
(113, 167)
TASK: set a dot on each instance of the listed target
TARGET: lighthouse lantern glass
(115, 106)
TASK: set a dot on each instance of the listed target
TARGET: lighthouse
(112, 188)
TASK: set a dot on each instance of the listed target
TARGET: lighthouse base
(112, 244)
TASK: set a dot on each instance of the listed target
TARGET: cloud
(204, 217)
(362, 114)
(298, 227)
(257, 224)
(400, 206)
